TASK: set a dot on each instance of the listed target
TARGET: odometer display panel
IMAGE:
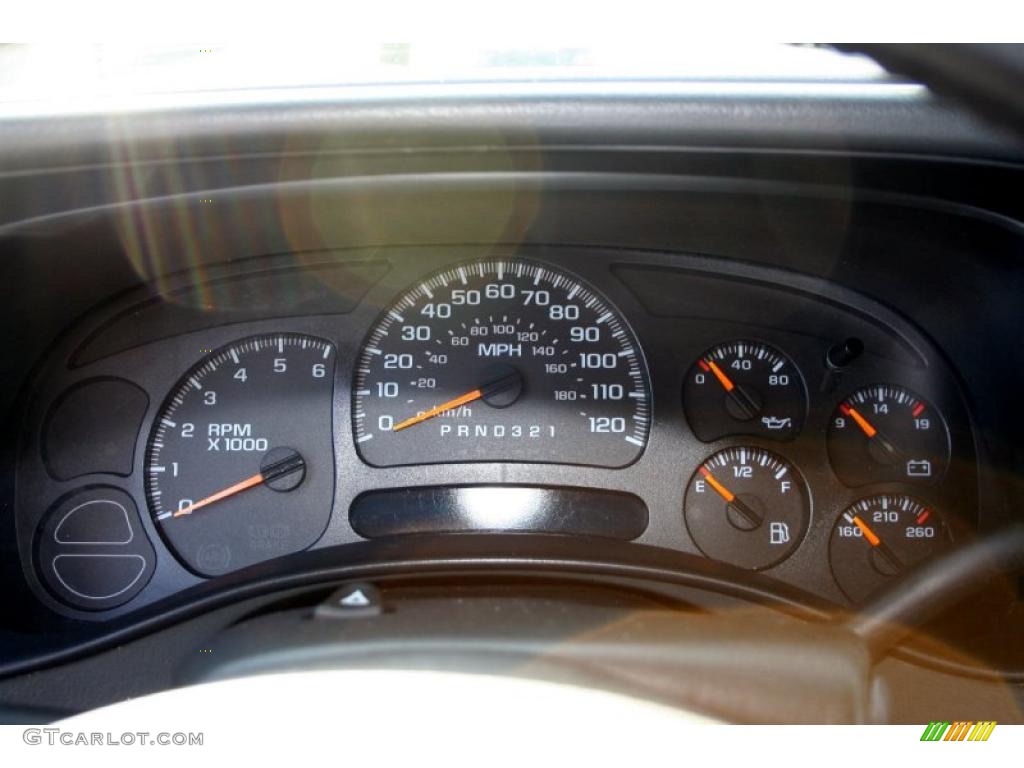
(501, 361)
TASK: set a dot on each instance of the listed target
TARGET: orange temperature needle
(249, 482)
(437, 410)
(720, 375)
(870, 535)
(861, 421)
(724, 492)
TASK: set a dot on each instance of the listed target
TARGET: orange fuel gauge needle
(437, 410)
(722, 491)
(730, 498)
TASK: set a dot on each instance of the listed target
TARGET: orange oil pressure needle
(724, 492)
(720, 375)
(249, 482)
(870, 535)
(861, 421)
(437, 410)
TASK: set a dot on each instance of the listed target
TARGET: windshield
(38, 79)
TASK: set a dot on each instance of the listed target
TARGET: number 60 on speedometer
(498, 361)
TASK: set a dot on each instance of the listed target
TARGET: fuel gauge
(747, 506)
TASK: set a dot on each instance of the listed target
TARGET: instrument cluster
(759, 419)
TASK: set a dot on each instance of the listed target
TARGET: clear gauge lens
(504, 360)
(747, 506)
(879, 538)
(885, 433)
(240, 463)
(744, 388)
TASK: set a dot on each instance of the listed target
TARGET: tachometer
(502, 360)
(240, 463)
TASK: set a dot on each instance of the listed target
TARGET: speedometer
(501, 360)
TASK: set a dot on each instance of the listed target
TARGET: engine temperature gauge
(744, 388)
(879, 538)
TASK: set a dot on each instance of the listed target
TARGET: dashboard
(698, 354)
(819, 439)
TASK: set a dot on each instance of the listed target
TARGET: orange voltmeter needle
(231, 490)
(437, 410)
(863, 423)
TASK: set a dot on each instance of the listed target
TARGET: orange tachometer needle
(249, 482)
(863, 423)
(724, 492)
(870, 535)
(437, 410)
(724, 380)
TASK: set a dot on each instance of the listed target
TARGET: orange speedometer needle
(231, 490)
(510, 381)
(437, 410)
(863, 423)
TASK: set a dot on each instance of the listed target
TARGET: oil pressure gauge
(744, 388)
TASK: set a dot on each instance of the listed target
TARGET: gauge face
(885, 433)
(503, 360)
(747, 506)
(880, 537)
(744, 388)
(240, 462)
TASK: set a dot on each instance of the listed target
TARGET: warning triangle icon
(355, 599)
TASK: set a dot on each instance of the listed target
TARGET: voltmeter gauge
(748, 507)
(884, 434)
(744, 388)
(879, 538)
